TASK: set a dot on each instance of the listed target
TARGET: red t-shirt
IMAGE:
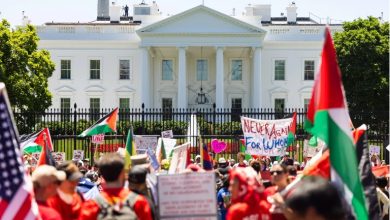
(90, 208)
(67, 211)
(47, 213)
(246, 211)
(276, 212)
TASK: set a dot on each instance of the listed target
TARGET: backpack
(123, 209)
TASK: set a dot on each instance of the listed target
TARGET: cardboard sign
(187, 196)
(179, 159)
(59, 157)
(373, 149)
(265, 137)
(167, 134)
(143, 143)
(98, 139)
(78, 154)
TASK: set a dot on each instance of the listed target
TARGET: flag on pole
(46, 157)
(104, 125)
(293, 128)
(130, 148)
(207, 163)
(328, 119)
(34, 142)
(16, 191)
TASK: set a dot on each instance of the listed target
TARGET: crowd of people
(253, 189)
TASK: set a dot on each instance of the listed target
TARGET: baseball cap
(221, 160)
(71, 170)
(45, 174)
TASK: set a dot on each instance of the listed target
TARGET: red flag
(46, 157)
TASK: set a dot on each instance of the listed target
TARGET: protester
(223, 198)
(383, 196)
(314, 198)
(292, 173)
(45, 181)
(115, 200)
(68, 202)
(232, 162)
(247, 201)
(241, 160)
(279, 179)
(256, 166)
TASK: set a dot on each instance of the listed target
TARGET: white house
(189, 60)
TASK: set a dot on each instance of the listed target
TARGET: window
(306, 103)
(236, 69)
(167, 71)
(167, 108)
(202, 70)
(94, 108)
(124, 108)
(236, 109)
(65, 109)
(65, 69)
(94, 66)
(124, 69)
(309, 70)
(124, 103)
(279, 108)
(280, 69)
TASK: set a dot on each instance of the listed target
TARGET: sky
(41, 11)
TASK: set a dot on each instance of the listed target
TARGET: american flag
(16, 191)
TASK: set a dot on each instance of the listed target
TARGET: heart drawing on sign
(218, 146)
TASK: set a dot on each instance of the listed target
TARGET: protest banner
(143, 143)
(167, 134)
(78, 154)
(187, 196)
(58, 157)
(179, 159)
(374, 150)
(266, 137)
(98, 139)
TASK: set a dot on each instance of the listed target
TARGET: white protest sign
(167, 134)
(169, 144)
(265, 137)
(143, 143)
(179, 159)
(98, 139)
(58, 157)
(78, 154)
(187, 196)
(373, 149)
(310, 151)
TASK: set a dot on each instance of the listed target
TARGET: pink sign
(218, 146)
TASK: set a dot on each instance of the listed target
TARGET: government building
(194, 59)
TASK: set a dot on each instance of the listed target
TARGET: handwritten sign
(187, 196)
(179, 159)
(98, 139)
(167, 134)
(143, 143)
(266, 137)
(78, 154)
(373, 149)
(59, 157)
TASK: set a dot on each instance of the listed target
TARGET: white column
(256, 78)
(182, 79)
(219, 91)
(145, 78)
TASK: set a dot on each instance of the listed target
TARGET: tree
(363, 55)
(24, 69)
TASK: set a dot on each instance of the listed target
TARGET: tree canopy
(363, 55)
(24, 69)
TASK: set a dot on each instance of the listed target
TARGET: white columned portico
(256, 79)
(182, 79)
(219, 91)
(145, 77)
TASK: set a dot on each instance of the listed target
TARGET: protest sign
(373, 149)
(266, 137)
(179, 159)
(167, 134)
(169, 144)
(35, 158)
(187, 196)
(98, 139)
(58, 157)
(78, 154)
(143, 143)
(153, 159)
(310, 151)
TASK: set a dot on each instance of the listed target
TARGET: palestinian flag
(328, 119)
(130, 149)
(293, 128)
(243, 149)
(33, 143)
(46, 157)
(104, 125)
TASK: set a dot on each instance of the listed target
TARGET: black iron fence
(224, 124)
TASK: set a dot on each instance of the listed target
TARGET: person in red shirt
(111, 167)
(67, 201)
(45, 180)
(241, 160)
(247, 200)
(279, 179)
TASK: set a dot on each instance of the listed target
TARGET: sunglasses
(278, 172)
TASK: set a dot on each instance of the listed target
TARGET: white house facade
(194, 59)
